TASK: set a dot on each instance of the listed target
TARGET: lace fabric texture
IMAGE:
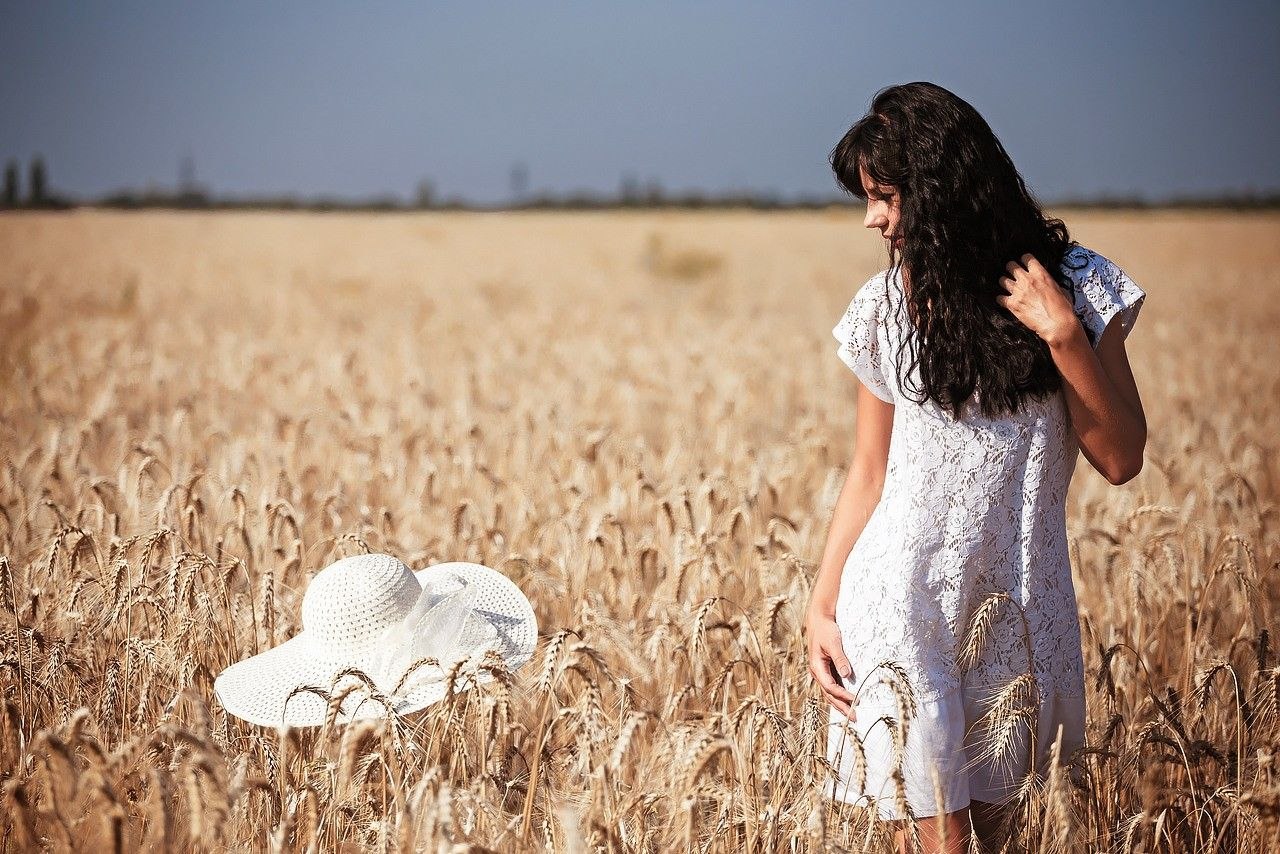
(970, 509)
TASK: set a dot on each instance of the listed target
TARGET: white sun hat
(371, 613)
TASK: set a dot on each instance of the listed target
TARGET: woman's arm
(1101, 394)
(858, 498)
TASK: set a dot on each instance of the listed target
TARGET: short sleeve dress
(973, 512)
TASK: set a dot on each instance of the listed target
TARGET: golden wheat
(640, 419)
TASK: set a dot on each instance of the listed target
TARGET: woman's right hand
(827, 661)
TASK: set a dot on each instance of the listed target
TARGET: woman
(942, 626)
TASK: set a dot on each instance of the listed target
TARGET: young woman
(990, 353)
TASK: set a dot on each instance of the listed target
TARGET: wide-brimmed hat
(405, 631)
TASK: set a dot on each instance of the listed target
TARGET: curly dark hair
(965, 213)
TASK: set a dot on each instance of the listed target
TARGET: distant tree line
(650, 198)
(38, 195)
(631, 193)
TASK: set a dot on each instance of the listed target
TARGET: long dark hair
(965, 213)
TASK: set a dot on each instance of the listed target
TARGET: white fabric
(951, 735)
(969, 508)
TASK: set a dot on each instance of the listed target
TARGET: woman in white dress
(990, 353)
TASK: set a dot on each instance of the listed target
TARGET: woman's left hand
(1037, 300)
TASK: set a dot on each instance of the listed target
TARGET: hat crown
(352, 602)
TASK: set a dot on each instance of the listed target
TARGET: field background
(630, 414)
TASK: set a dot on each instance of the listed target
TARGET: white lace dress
(970, 509)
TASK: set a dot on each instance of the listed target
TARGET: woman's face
(884, 207)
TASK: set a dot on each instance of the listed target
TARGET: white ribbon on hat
(443, 625)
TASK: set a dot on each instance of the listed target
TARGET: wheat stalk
(168, 488)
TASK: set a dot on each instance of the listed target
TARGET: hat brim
(290, 683)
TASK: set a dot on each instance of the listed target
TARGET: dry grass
(640, 419)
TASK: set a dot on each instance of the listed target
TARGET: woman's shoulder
(1091, 268)
(876, 286)
(874, 294)
(1080, 262)
(1101, 290)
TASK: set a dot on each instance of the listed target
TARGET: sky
(1145, 99)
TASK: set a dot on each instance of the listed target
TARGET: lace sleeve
(1103, 292)
(858, 334)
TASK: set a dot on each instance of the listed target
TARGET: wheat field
(640, 418)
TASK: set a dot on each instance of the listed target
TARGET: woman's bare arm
(1102, 396)
(858, 498)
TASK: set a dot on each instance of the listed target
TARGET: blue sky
(1090, 98)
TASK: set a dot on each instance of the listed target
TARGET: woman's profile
(942, 627)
